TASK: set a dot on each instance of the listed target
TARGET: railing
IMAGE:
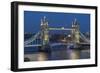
(84, 38)
(32, 38)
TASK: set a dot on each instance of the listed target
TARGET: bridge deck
(55, 44)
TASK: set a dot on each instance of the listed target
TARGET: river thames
(56, 53)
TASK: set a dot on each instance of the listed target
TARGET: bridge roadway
(56, 44)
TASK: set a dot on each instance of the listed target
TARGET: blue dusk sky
(32, 20)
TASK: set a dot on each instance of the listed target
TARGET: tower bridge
(43, 35)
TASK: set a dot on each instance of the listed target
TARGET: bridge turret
(44, 32)
(75, 32)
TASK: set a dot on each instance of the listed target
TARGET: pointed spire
(73, 24)
(41, 22)
(75, 21)
(44, 19)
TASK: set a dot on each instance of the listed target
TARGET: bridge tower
(75, 32)
(44, 33)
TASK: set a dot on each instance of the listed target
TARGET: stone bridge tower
(44, 33)
(75, 32)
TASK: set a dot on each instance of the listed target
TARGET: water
(56, 53)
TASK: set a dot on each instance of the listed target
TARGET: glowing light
(69, 35)
(62, 28)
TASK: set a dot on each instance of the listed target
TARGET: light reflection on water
(58, 55)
